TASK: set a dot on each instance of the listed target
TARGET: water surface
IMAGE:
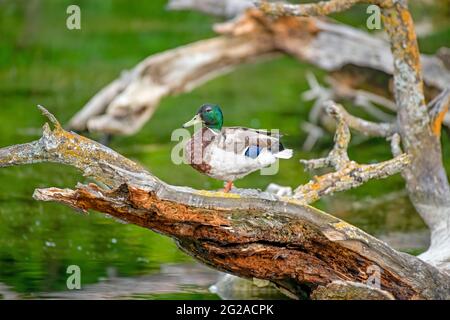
(41, 62)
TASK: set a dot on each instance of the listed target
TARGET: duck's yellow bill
(195, 120)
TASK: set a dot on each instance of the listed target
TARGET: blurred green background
(42, 62)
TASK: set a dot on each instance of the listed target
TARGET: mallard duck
(229, 153)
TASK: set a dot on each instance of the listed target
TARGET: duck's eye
(208, 110)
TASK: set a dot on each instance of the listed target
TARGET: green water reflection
(41, 62)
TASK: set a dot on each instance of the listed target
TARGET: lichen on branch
(349, 174)
(250, 234)
(438, 109)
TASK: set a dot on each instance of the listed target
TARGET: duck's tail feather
(285, 154)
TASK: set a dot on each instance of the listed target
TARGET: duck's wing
(270, 133)
(244, 140)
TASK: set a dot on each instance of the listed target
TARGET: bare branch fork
(250, 234)
(339, 91)
(342, 91)
(426, 179)
(348, 174)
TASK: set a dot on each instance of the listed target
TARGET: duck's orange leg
(228, 186)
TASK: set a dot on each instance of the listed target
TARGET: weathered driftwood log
(125, 105)
(305, 252)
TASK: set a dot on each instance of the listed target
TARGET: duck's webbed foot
(228, 186)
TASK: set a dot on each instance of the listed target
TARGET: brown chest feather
(196, 147)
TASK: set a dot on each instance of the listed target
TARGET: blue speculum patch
(253, 151)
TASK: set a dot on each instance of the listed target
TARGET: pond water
(41, 62)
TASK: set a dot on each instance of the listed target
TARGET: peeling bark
(250, 234)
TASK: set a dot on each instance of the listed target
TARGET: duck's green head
(209, 115)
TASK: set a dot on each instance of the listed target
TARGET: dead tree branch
(249, 234)
(342, 91)
(228, 8)
(322, 8)
(348, 174)
(426, 179)
(125, 105)
(438, 108)
(365, 127)
(261, 235)
(314, 132)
